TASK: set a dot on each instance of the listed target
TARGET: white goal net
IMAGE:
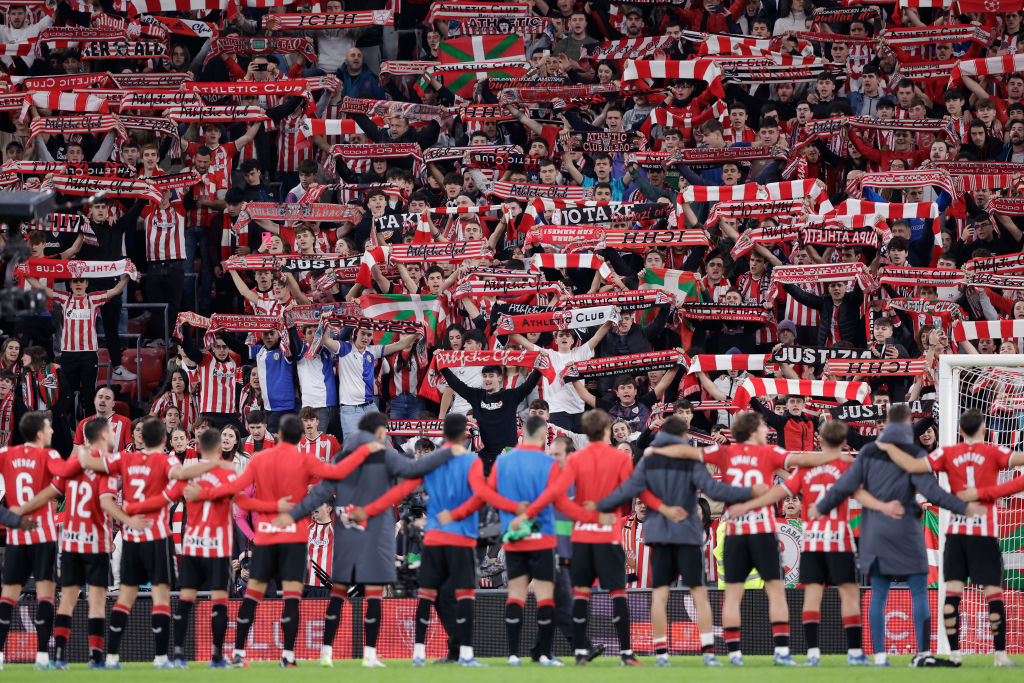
(993, 384)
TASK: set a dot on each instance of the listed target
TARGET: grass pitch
(756, 670)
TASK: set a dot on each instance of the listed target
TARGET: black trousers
(79, 368)
(110, 314)
(165, 281)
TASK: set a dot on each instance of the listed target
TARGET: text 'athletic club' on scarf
(536, 360)
(562, 319)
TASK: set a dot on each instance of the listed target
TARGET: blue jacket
(523, 475)
(360, 85)
(447, 488)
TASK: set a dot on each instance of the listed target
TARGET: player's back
(972, 465)
(279, 473)
(600, 467)
(830, 533)
(745, 465)
(144, 474)
(26, 472)
(85, 525)
(209, 524)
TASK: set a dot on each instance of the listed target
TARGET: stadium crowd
(567, 222)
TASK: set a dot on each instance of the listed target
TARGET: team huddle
(135, 489)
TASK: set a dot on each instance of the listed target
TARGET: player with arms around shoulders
(750, 542)
(972, 543)
(828, 552)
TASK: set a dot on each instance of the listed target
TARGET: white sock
(42, 658)
(855, 652)
(626, 653)
(465, 652)
(369, 652)
(782, 651)
(881, 658)
(419, 651)
(707, 639)
(236, 653)
(814, 652)
(579, 653)
(735, 654)
(160, 659)
(289, 655)
(327, 650)
(113, 659)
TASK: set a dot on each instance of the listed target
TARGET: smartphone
(262, 67)
(266, 237)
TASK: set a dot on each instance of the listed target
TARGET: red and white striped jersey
(144, 474)
(800, 314)
(406, 374)
(120, 425)
(220, 160)
(79, 332)
(755, 292)
(292, 145)
(747, 464)
(972, 465)
(209, 184)
(324, 446)
(321, 551)
(209, 524)
(28, 470)
(635, 548)
(86, 527)
(718, 291)
(216, 380)
(831, 533)
(189, 407)
(264, 302)
(165, 232)
(708, 554)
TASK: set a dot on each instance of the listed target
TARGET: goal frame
(948, 398)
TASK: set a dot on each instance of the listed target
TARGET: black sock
(546, 626)
(620, 617)
(290, 619)
(580, 608)
(423, 608)
(118, 621)
(44, 625)
(997, 619)
(332, 620)
(182, 617)
(854, 633)
(780, 634)
(464, 621)
(513, 625)
(219, 626)
(61, 633)
(246, 615)
(160, 619)
(371, 620)
(811, 633)
(951, 620)
(96, 625)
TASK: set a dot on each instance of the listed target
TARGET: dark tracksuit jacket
(897, 544)
(675, 482)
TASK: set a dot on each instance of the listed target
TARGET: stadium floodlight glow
(993, 383)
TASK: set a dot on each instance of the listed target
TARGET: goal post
(994, 384)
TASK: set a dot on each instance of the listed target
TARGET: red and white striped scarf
(996, 280)
(73, 269)
(842, 391)
(661, 116)
(90, 124)
(987, 329)
(117, 187)
(330, 20)
(504, 189)
(439, 252)
(824, 272)
(159, 99)
(876, 367)
(405, 68)
(1011, 263)
(783, 209)
(696, 69)
(627, 300)
(627, 364)
(905, 179)
(920, 277)
(888, 210)
(446, 11)
(791, 189)
(221, 114)
(574, 261)
(329, 127)
(262, 46)
(989, 66)
(754, 362)
(563, 319)
(282, 88)
(630, 48)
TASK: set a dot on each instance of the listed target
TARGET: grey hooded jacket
(897, 544)
(366, 556)
(675, 482)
